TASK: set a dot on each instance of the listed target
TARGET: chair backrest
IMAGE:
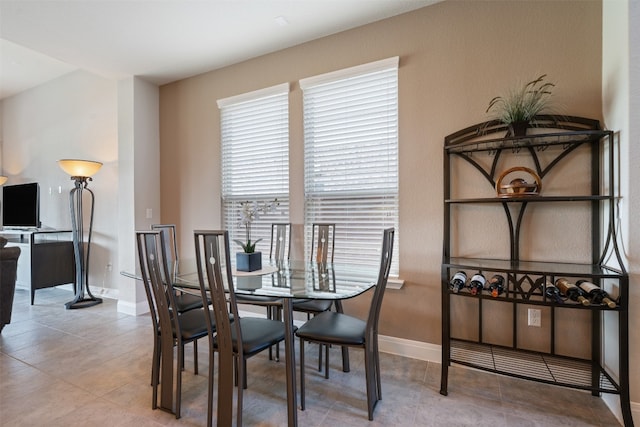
(323, 239)
(280, 241)
(170, 247)
(381, 285)
(324, 278)
(153, 267)
(215, 278)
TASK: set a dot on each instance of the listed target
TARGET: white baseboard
(133, 309)
(635, 410)
(413, 349)
(67, 287)
(97, 292)
(613, 403)
(107, 293)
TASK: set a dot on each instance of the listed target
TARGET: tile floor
(91, 367)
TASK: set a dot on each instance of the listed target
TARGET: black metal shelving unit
(526, 280)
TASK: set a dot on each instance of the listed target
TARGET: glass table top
(299, 279)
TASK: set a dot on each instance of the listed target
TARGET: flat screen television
(21, 206)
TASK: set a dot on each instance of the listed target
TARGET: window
(351, 158)
(255, 160)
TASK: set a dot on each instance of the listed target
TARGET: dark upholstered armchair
(8, 267)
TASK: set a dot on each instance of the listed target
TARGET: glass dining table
(291, 280)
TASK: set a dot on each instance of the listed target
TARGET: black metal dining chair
(235, 339)
(280, 247)
(279, 250)
(184, 301)
(341, 329)
(185, 327)
(323, 241)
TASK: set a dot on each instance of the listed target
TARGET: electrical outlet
(149, 213)
(109, 267)
(534, 318)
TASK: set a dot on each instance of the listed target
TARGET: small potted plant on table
(249, 259)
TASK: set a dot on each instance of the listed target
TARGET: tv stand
(46, 257)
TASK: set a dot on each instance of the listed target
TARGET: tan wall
(454, 57)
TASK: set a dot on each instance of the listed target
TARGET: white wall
(81, 115)
(621, 105)
(139, 180)
(74, 116)
(633, 229)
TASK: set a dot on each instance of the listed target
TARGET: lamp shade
(3, 179)
(84, 168)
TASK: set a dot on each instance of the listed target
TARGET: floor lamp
(81, 172)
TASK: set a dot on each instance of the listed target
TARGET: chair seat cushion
(257, 334)
(312, 306)
(186, 302)
(334, 328)
(193, 325)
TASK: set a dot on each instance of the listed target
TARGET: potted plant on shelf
(249, 259)
(519, 106)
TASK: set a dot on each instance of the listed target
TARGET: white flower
(250, 212)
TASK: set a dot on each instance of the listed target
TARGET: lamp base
(83, 303)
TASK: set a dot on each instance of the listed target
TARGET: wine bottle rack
(525, 279)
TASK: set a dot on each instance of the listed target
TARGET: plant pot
(248, 262)
(249, 283)
(518, 128)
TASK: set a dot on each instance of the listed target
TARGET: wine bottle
(596, 294)
(476, 285)
(552, 292)
(496, 285)
(458, 281)
(571, 291)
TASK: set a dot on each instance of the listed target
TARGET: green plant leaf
(524, 103)
(249, 247)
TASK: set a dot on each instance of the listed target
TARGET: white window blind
(351, 158)
(255, 160)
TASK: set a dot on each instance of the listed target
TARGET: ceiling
(164, 40)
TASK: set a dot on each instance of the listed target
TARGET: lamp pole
(81, 171)
(81, 255)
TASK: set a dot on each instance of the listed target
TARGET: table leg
(345, 350)
(290, 357)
